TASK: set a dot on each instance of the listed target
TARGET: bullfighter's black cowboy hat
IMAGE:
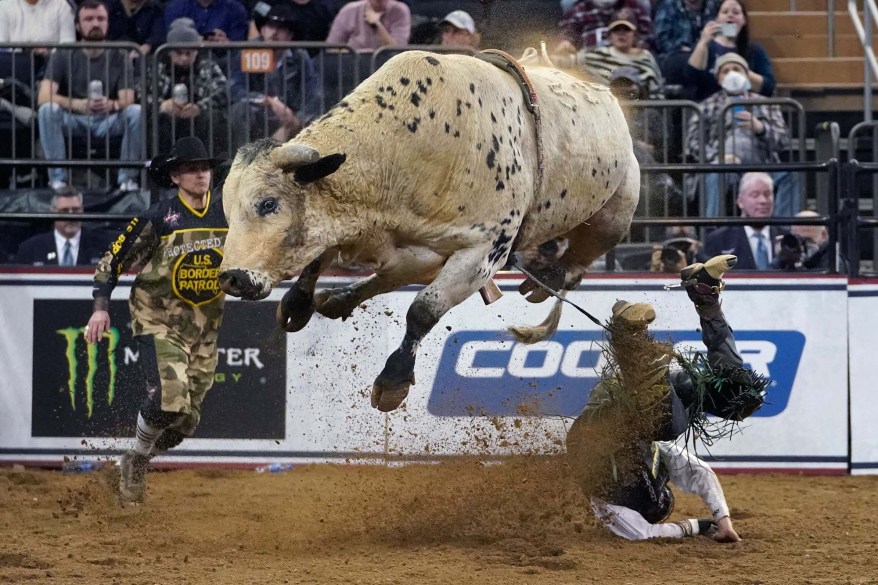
(188, 149)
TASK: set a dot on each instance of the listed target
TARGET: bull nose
(231, 282)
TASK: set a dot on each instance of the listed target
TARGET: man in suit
(753, 244)
(68, 244)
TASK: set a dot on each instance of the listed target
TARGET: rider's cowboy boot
(703, 283)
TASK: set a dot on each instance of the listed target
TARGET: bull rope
(508, 63)
(551, 291)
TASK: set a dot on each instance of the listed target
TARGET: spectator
(36, 21)
(752, 243)
(366, 25)
(806, 247)
(279, 103)
(676, 30)
(674, 252)
(315, 18)
(814, 236)
(218, 21)
(645, 126)
(623, 51)
(137, 21)
(67, 102)
(69, 244)
(585, 24)
(754, 135)
(203, 110)
(729, 33)
(459, 30)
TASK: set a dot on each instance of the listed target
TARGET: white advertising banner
(863, 317)
(305, 396)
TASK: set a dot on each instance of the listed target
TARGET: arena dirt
(523, 521)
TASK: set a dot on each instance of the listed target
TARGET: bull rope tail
(530, 335)
(548, 327)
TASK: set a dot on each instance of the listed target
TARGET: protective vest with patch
(177, 251)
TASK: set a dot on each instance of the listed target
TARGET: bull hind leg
(465, 272)
(586, 243)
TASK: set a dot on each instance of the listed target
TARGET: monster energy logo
(71, 336)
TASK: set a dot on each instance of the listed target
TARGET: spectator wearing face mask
(728, 33)
(753, 134)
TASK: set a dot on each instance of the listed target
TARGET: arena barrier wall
(863, 319)
(304, 397)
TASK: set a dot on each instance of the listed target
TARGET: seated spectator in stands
(623, 51)
(674, 254)
(69, 102)
(645, 125)
(753, 244)
(585, 25)
(136, 21)
(806, 247)
(315, 16)
(279, 103)
(217, 21)
(729, 33)
(459, 30)
(201, 109)
(36, 21)
(676, 29)
(754, 135)
(69, 244)
(366, 25)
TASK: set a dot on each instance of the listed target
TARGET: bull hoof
(392, 385)
(336, 304)
(531, 292)
(295, 309)
(388, 399)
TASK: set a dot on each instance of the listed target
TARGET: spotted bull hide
(427, 173)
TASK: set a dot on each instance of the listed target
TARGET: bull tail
(544, 330)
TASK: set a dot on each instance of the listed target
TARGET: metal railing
(863, 28)
(341, 69)
(133, 78)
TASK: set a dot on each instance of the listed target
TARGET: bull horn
(292, 156)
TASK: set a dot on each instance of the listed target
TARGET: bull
(432, 172)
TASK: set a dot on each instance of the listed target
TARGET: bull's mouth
(249, 285)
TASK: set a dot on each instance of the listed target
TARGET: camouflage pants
(178, 379)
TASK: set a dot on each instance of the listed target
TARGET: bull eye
(266, 206)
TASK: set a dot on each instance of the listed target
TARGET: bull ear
(289, 157)
(317, 170)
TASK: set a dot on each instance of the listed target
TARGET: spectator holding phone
(728, 33)
(217, 21)
(191, 92)
(281, 102)
(751, 134)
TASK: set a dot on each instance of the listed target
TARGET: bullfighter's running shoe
(132, 477)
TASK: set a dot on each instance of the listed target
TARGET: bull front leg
(339, 303)
(399, 267)
(295, 309)
(464, 273)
